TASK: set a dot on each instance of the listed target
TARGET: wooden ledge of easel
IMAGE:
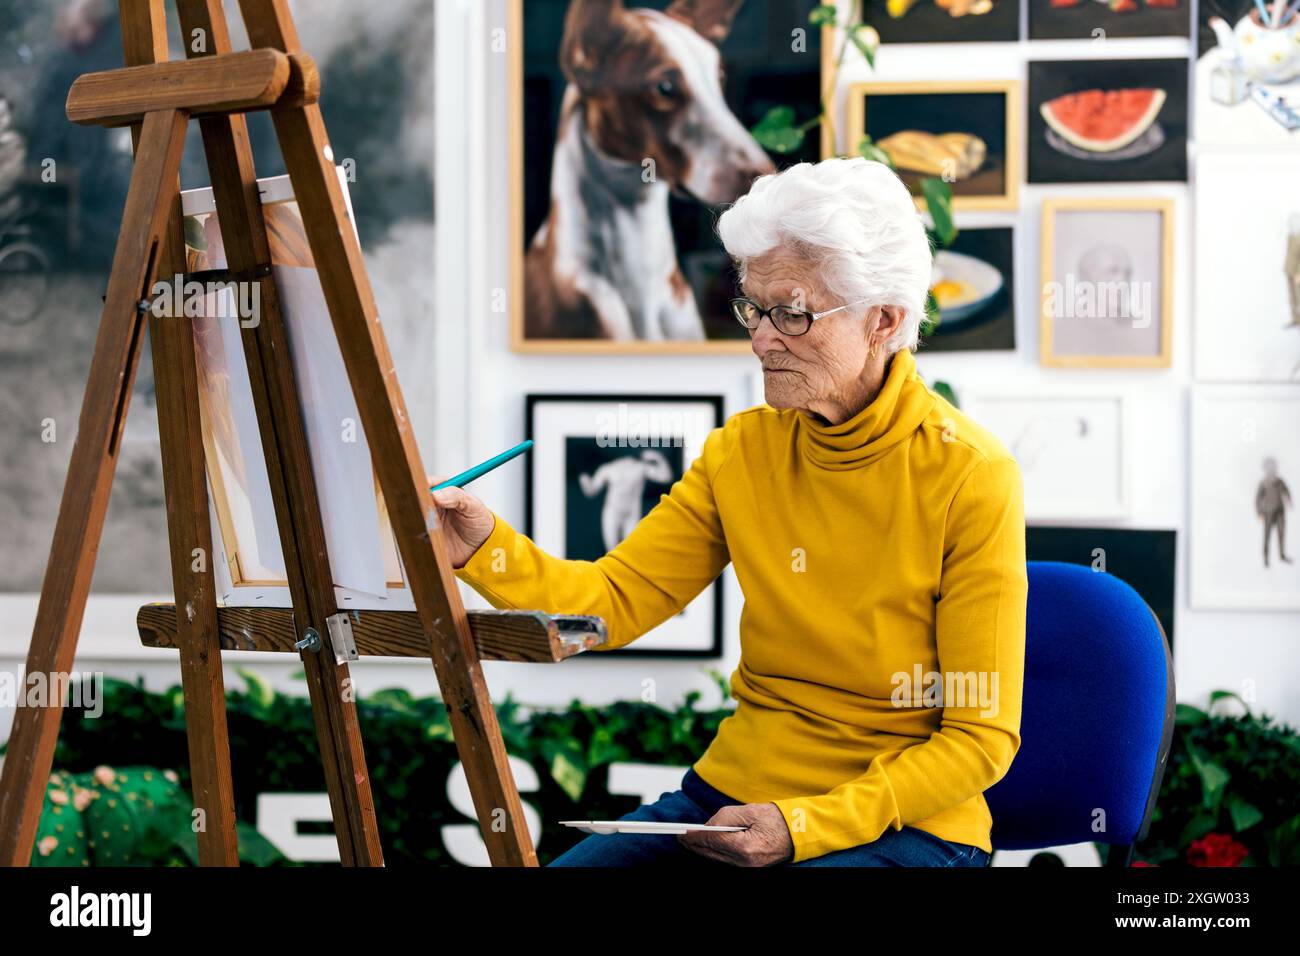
(529, 636)
(229, 83)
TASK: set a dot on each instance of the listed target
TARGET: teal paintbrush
(478, 471)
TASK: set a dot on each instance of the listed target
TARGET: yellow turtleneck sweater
(883, 633)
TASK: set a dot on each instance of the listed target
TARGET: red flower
(1216, 849)
(1142, 863)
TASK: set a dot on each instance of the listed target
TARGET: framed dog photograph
(1086, 20)
(1107, 282)
(974, 284)
(1143, 559)
(1247, 75)
(1072, 446)
(964, 131)
(945, 21)
(1247, 238)
(631, 126)
(1245, 485)
(1108, 120)
(600, 464)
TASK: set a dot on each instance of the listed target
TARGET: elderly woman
(878, 536)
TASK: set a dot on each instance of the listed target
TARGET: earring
(872, 352)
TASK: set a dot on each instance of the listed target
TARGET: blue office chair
(1097, 716)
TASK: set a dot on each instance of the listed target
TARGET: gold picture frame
(1052, 206)
(519, 342)
(855, 121)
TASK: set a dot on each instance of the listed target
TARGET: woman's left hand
(766, 842)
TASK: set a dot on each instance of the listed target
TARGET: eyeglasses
(787, 319)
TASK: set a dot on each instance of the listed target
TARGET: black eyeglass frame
(808, 317)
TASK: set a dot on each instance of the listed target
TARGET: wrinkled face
(654, 90)
(824, 367)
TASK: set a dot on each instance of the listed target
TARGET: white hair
(855, 219)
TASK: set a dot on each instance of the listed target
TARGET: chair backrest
(1097, 715)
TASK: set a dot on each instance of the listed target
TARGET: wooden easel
(157, 99)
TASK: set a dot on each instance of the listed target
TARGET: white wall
(481, 383)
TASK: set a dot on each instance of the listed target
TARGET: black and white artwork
(1245, 482)
(601, 463)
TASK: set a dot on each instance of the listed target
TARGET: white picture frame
(1234, 428)
(1073, 446)
(1247, 210)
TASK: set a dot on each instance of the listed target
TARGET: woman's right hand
(466, 521)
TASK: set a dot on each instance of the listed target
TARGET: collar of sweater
(895, 413)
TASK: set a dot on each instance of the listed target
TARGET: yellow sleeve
(980, 630)
(673, 554)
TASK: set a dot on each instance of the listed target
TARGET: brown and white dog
(643, 115)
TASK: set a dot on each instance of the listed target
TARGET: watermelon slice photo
(1100, 124)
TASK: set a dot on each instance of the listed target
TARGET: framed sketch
(1072, 446)
(965, 130)
(599, 465)
(251, 568)
(959, 21)
(1245, 486)
(1247, 75)
(1247, 254)
(974, 283)
(1107, 282)
(1145, 560)
(1107, 120)
(619, 163)
(1084, 20)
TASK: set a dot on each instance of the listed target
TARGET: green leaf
(1213, 778)
(1244, 814)
(1185, 715)
(195, 236)
(1218, 695)
(869, 150)
(566, 763)
(1197, 827)
(938, 199)
(777, 130)
(254, 848)
(260, 692)
(944, 389)
(822, 15)
(865, 39)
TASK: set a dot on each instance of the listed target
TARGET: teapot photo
(1268, 54)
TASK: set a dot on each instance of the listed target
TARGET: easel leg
(90, 477)
(307, 157)
(284, 443)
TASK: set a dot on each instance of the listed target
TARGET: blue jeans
(697, 802)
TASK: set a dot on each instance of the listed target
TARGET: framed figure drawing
(600, 464)
(966, 131)
(1247, 253)
(1072, 446)
(1107, 282)
(1107, 120)
(630, 127)
(1245, 486)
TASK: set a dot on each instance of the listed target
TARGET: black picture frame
(1144, 559)
(531, 403)
(1079, 22)
(1166, 162)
